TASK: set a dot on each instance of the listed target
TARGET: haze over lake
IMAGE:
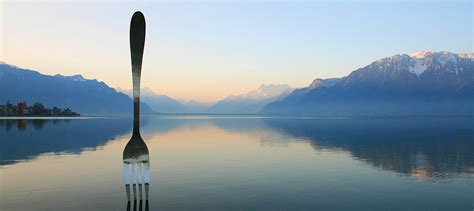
(242, 162)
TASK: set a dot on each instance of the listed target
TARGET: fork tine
(146, 171)
(134, 179)
(140, 205)
(140, 179)
(126, 176)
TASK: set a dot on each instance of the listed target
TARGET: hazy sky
(208, 50)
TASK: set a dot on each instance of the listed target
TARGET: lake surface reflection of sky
(235, 163)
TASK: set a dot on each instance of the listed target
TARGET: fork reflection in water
(140, 205)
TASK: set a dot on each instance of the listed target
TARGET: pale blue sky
(208, 50)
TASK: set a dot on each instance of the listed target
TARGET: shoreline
(48, 117)
(291, 116)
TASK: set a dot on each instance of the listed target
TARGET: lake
(242, 163)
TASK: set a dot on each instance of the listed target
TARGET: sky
(207, 50)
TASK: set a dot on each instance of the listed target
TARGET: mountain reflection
(33, 137)
(428, 148)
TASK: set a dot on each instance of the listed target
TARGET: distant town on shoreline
(38, 109)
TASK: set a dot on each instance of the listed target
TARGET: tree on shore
(38, 109)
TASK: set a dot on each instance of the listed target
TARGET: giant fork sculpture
(135, 155)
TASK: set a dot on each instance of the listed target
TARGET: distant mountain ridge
(195, 107)
(426, 83)
(253, 101)
(157, 102)
(249, 103)
(75, 92)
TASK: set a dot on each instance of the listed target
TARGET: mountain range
(157, 102)
(164, 104)
(421, 83)
(75, 92)
(249, 103)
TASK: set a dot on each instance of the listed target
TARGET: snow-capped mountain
(253, 101)
(424, 70)
(426, 82)
(263, 92)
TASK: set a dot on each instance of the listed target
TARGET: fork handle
(137, 45)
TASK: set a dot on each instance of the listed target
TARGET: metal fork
(136, 163)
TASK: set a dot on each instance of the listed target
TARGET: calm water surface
(241, 163)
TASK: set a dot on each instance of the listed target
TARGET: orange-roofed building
(21, 106)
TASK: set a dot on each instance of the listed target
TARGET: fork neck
(136, 101)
